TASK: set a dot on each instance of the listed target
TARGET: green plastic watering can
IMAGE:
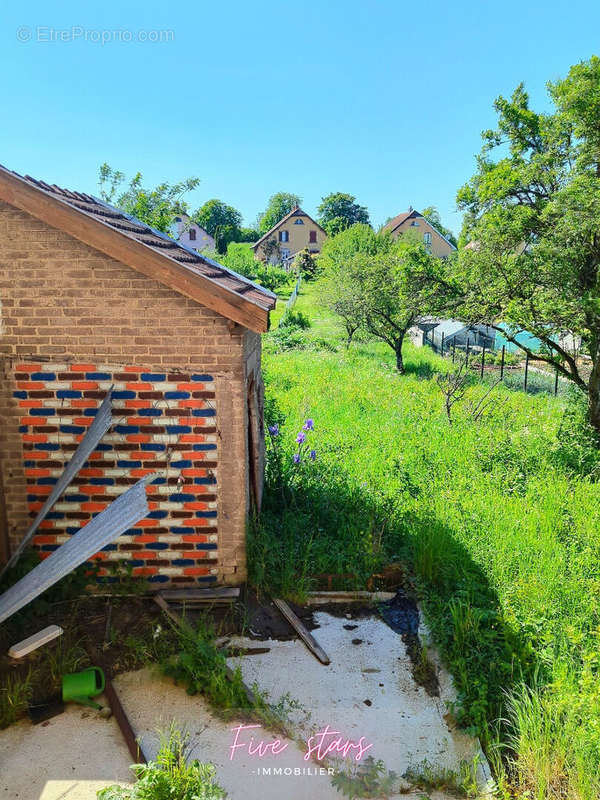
(80, 687)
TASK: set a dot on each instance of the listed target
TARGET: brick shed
(92, 298)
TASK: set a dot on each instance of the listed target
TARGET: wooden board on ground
(307, 637)
(228, 593)
(349, 597)
(33, 642)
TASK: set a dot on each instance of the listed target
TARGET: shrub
(271, 277)
(294, 319)
(170, 777)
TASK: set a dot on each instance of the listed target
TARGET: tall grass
(498, 523)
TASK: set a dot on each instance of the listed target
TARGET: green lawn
(501, 535)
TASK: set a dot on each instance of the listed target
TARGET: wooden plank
(307, 637)
(160, 601)
(134, 747)
(349, 597)
(177, 595)
(159, 266)
(38, 639)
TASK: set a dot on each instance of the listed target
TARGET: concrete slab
(74, 754)
(68, 757)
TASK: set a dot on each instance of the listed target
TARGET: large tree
(280, 204)
(221, 221)
(380, 285)
(156, 207)
(338, 211)
(432, 215)
(533, 216)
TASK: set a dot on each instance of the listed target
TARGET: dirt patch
(265, 621)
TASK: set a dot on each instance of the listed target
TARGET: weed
(15, 694)
(172, 776)
(369, 778)
(429, 777)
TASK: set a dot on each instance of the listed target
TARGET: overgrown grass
(498, 522)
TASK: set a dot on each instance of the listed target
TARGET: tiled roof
(156, 240)
(395, 221)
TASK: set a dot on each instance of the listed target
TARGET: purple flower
(274, 430)
(301, 437)
(296, 458)
(309, 425)
(313, 455)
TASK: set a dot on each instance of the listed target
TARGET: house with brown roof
(92, 299)
(435, 242)
(295, 232)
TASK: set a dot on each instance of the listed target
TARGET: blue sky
(384, 100)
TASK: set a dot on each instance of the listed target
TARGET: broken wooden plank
(228, 593)
(160, 601)
(108, 525)
(32, 643)
(307, 637)
(102, 422)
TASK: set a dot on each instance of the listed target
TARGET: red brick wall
(66, 305)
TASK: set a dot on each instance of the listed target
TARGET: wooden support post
(443, 342)
(453, 350)
(556, 383)
(482, 362)
(502, 362)
(467, 353)
(526, 371)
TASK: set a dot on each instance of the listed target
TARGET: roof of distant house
(145, 249)
(395, 222)
(295, 212)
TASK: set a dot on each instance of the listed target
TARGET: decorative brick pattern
(163, 421)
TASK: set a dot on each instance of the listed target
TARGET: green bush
(294, 319)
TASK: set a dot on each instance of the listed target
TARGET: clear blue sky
(385, 100)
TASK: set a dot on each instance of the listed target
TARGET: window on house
(299, 222)
(312, 237)
(414, 223)
(284, 236)
(427, 241)
(192, 234)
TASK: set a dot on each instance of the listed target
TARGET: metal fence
(486, 361)
(292, 300)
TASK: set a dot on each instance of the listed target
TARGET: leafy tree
(380, 285)
(249, 235)
(432, 215)
(279, 205)
(221, 221)
(156, 207)
(215, 214)
(339, 211)
(533, 214)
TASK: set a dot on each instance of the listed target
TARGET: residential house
(188, 233)
(92, 298)
(411, 220)
(295, 232)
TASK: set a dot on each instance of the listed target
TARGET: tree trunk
(398, 350)
(594, 398)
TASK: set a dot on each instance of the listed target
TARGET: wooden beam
(307, 637)
(134, 747)
(118, 245)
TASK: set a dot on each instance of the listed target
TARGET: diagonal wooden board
(307, 637)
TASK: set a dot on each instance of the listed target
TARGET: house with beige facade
(94, 302)
(411, 220)
(295, 232)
